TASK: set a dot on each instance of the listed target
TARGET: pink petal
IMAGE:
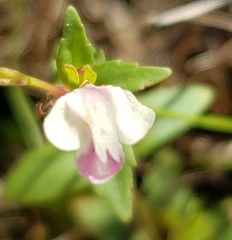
(93, 169)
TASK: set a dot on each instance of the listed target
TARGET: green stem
(22, 111)
(210, 122)
(47, 87)
(9, 77)
(19, 102)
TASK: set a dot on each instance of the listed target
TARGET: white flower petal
(132, 119)
(63, 128)
(135, 121)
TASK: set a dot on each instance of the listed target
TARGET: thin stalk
(9, 77)
(22, 111)
(209, 122)
(47, 87)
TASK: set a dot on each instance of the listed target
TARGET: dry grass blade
(210, 59)
(186, 12)
(215, 19)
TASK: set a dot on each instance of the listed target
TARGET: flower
(96, 120)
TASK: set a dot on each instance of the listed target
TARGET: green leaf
(118, 192)
(164, 172)
(192, 101)
(75, 48)
(43, 175)
(159, 97)
(72, 75)
(95, 215)
(129, 76)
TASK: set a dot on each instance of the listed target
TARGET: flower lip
(93, 169)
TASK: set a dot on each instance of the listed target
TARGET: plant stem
(210, 121)
(47, 87)
(22, 111)
(9, 77)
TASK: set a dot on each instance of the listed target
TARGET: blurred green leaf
(129, 76)
(46, 174)
(43, 175)
(161, 181)
(202, 225)
(159, 97)
(92, 212)
(192, 101)
(164, 95)
(75, 48)
(118, 192)
(97, 217)
(175, 204)
(226, 234)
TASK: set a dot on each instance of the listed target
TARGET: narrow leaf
(43, 175)
(118, 192)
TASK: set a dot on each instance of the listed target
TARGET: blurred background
(184, 187)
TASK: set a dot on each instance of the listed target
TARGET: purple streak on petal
(94, 170)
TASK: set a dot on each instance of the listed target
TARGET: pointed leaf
(43, 175)
(75, 48)
(129, 76)
(118, 192)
